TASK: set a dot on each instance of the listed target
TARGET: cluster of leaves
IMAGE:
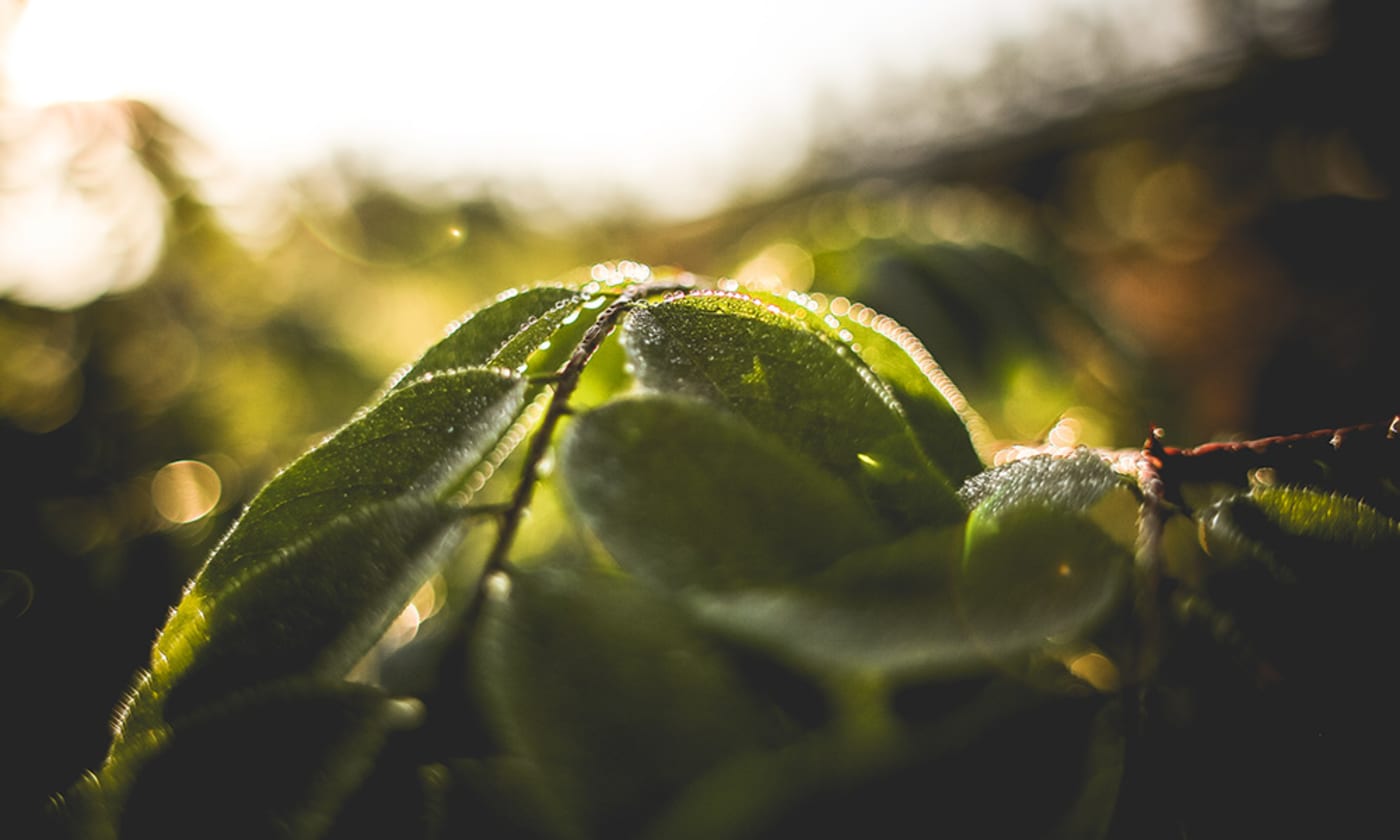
(746, 577)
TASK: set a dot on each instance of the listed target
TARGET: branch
(1348, 447)
(564, 381)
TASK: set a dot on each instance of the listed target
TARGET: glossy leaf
(794, 383)
(905, 367)
(503, 334)
(328, 553)
(277, 763)
(683, 494)
(315, 610)
(421, 439)
(607, 690)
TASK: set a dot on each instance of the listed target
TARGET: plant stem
(1232, 461)
(565, 381)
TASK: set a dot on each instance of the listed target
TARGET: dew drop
(572, 317)
(498, 587)
(595, 303)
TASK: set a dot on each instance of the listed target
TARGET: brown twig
(1232, 461)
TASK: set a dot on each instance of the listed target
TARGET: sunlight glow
(675, 104)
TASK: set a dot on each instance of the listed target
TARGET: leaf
(1075, 483)
(1307, 579)
(932, 403)
(1048, 550)
(1033, 574)
(503, 334)
(1008, 763)
(273, 763)
(607, 690)
(682, 494)
(315, 610)
(420, 439)
(329, 551)
(797, 385)
(1296, 521)
(891, 610)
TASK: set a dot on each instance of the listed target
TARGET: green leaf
(1296, 521)
(1033, 574)
(423, 438)
(934, 406)
(503, 334)
(608, 691)
(315, 610)
(1010, 762)
(1306, 579)
(1048, 551)
(795, 384)
(1076, 483)
(891, 610)
(273, 763)
(682, 494)
(328, 552)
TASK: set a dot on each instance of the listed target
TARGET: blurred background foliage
(1086, 247)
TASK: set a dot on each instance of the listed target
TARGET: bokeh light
(185, 491)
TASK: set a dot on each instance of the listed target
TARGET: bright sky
(671, 102)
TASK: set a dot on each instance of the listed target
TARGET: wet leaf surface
(797, 385)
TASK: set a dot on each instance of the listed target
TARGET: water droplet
(572, 316)
(546, 344)
(498, 587)
(595, 303)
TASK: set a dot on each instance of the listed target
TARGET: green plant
(689, 562)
